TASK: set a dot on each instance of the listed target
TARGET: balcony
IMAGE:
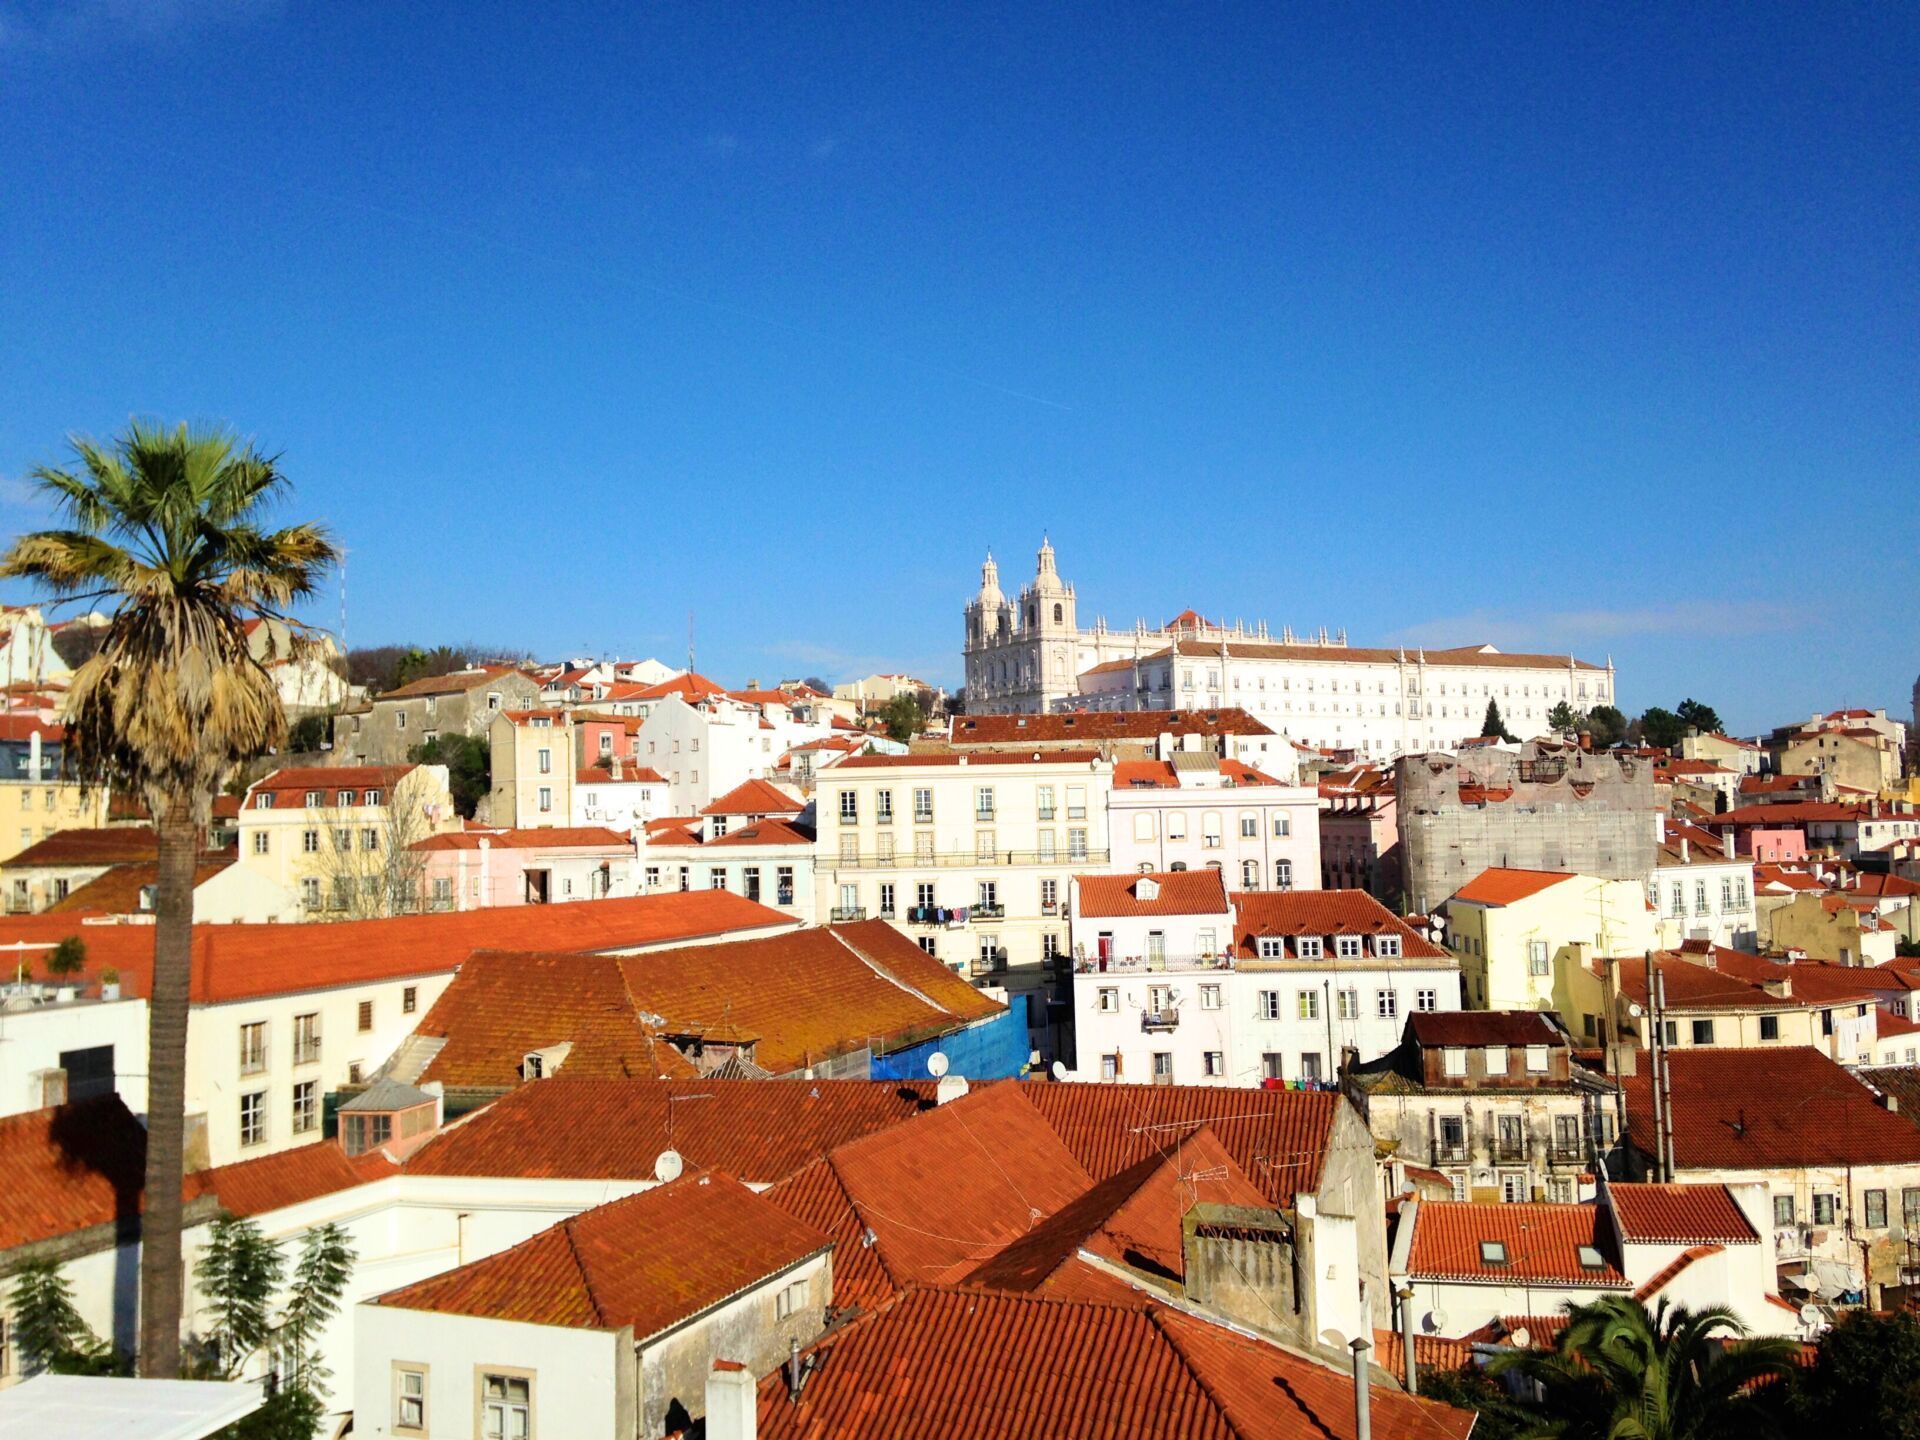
(1159, 1022)
(1151, 964)
(1562, 1154)
(954, 859)
(987, 912)
(1049, 907)
(306, 1052)
(1510, 1151)
(849, 912)
(1449, 1152)
(992, 962)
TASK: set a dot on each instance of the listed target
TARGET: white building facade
(1195, 811)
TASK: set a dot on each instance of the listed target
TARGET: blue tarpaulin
(995, 1049)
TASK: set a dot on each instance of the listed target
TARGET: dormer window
(1347, 947)
(1386, 945)
(1308, 947)
(263, 801)
(1272, 947)
(1493, 1252)
(314, 800)
(371, 797)
(343, 798)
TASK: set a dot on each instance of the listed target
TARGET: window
(545, 802)
(1386, 945)
(1272, 1067)
(409, 1399)
(1349, 1004)
(545, 760)
(930, 944)
(1876, 1207)
(306, 1109)
(1493, 1252)
(1590, 1258)
(370, 797)
(1308, 947)
(263, 801)
(1426, 1000)
(1453, 1061)
(1783, 1209)
(883, 806)
(886, 893)
(1214, 1063)
(1272, 947)
(1309, 1004)
(409, 999)
(253, 1048)
(1269, 1004)
(790, 1299)
(343, 840)
(1283, 874)
(1049, 896)
(253, 1118)
(1249, 826)
(370, 841)
(1076, 844)
(1700, 898)
(1703, 1032)
(1176, 826)
(1310, 1065)
(849, 807)
(1162, 1067)
(1209, 997)
(717, 877)
(1386, 1004)
(1824, 1209)
(260, 839)
(1109, 1067)
(1109, 1000)
(310, 842)
(1282, 826)
(1076, 802)
(1347, 947)
(1536, 1059)
(983, 802)
(306, 1038)
(343, 798)
(1537, 959)
(366, 1016)
(1249, 874)
(984, 845)
(923, 807)
(1769, 1027)
(506, 1407)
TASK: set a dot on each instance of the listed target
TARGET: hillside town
(666, 1056)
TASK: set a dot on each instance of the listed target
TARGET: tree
(69, 957)
(1493, 724)
(903, 717)
(48, 1329)
(1662, 728)
(1695, 716)
(241, 1274)
(469, 762)
(368, 872)
(309, 733)
(1563, 719)
(1502, 1416)
(1907, 949)
(1607, 725)
(1865, 1379)
(168, 524)
(1620, 1370)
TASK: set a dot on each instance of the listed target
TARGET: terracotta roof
(649, 1261)
(980, 757)
(1164, 775)
(236, 962)
(804, 997)
(759, 1130)
(1292, 913)
(328, 780)
(1278, 1137)
(755, 797)
(1100, 725)
(1900, 1082)
(23, 728)
(118, 889)
(560, 837)
(72, 1167)
(1182, 892)
(1811, 982)
(1504, 887)
(1542, 1244)
(600, 773)
(1698, 987)
(253, 1187)
(1483, 1027)
(454, 683)
(1072, 1368)
(687, 686)
(1680, 1215)
(765, 832)
(1468, 655)
(110, 845)
(1762, 1109)
(814, 1196)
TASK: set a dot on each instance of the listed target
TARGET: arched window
(1059, 614)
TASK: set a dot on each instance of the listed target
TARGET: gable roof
(1499, 886)
(559, 837)
(768, 831)
(328, 781)
(755, 797)
(649, 1261)
(1091, 725)
(455, 682)
(1484, 1027)
(1771, 1108)
(306, 1172)
(1680, 1215)
(688, 685)
(1542, 1243)
(1293, 913)
(71, 1167)
(108, 845)
(1181, 892)
(118, 889)
(935, 758)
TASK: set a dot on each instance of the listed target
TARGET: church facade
(1030, 655)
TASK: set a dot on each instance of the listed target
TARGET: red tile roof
(109, 845)
(236, 962)
(689, 686)
(804, 996)
(1182, 892)
(1505, 887)
(600, 773)
(23, 728)
(765, 832)
(650, 1261)
(1483, 1027)
(455, 683)
(72, 1167)
(1162, 775)
(759, 1130)
(1680, 1215)
(1774, 1108)
(272, 1182)
(814, 1196)
(118, 889)
(559, 837)
(1094, 725)
(1292, 913)
(1542, 1244)
(1073, 1369)
(971, 757)
(755, 797)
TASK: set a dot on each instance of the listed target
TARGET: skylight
(1493, 1252)
(1590, 1259)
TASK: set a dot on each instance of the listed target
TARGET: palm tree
(167, 526)
(1620, 1372)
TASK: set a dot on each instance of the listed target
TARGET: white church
(1030, 656)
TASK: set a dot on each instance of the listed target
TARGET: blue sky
(1546, 325)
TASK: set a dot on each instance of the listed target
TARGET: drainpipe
(1406, 1336)
(1362, 1400)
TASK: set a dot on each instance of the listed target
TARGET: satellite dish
(1435, 1322)
(1522, 1338)
(1633, 1009)
(937, 1064)
(668, 1167)
(1059, 1071)
(1811, 1315)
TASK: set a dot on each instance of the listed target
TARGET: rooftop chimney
(1726, 842)
(949, 1088)
(1686, 851)
(733, 1402)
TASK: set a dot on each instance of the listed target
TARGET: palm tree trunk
(161, 1277)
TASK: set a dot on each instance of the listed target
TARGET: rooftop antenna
(689, 642)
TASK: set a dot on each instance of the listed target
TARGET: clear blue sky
(1571, 327)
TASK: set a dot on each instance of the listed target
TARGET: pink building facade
(483, 869)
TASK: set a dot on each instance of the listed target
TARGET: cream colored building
(971, 856)
(341, 837)
(34, 801)
(1838, 927)
(1741, 756)
(1524, 939)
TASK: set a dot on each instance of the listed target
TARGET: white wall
(32, 1040)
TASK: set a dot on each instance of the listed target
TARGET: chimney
(1241, 1264)
(1362, 1398)
(1726, 842)
(733, 1402)
(1660, 827)
(949, 1088)
(1686, 851)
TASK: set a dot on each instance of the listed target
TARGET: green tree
(168, 525)
(69, 957)
(1607, 725)
(1494, 724)
(1502, 1416)
(1620, 1370)
(50, 1332)
(1694, 715)
(1662, 728)
(241, 1274)
(1864, 1383)
(1563, 719)
(469, 762)
(308, 734)
(903, 717)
